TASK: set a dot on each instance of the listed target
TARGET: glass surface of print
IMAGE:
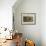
(27, 18)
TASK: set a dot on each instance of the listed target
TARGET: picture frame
(28, 18)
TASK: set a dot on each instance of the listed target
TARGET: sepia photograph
(28, 18)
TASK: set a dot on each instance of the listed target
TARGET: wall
(6, 13)
(32, 32)
(43, 22)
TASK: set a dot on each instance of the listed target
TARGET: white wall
(43, 22)
(6, 13)
(36, 32)
(30, 31)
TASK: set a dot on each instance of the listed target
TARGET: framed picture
(28, 18)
